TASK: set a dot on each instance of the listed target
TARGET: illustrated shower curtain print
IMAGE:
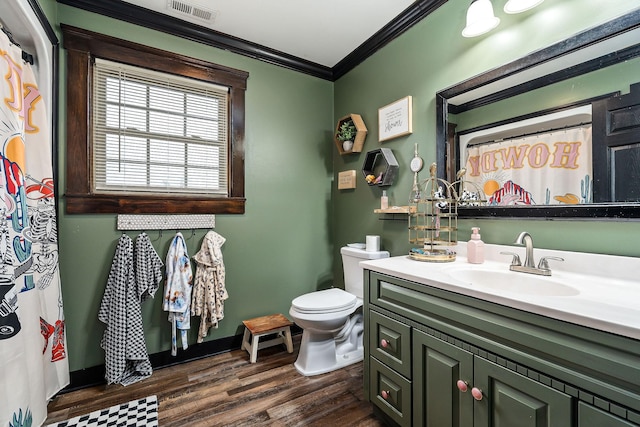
(542, 169)
(33, 357)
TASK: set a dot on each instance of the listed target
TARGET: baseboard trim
(94, 375)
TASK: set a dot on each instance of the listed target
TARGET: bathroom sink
(509, 281)
(592, 290)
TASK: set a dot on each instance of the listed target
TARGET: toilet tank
(353, 273)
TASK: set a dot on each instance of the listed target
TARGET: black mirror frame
(608, 211)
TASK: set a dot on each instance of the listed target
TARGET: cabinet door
(510, 399)
(588, 416)
(437, 367)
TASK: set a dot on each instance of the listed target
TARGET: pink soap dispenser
(475, 247)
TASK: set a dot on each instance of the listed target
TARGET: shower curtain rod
(27, 57)
(577, 125)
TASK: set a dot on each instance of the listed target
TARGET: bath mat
(137, 413)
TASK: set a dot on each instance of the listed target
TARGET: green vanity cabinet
(505, 398)
(437, 358)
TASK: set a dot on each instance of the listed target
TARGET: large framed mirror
(529, 93)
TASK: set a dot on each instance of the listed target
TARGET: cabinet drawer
(390, 392)
(390, 342)
(589, 416)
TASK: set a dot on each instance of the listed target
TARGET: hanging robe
(209, 291)
(177, 295)
(33, 354)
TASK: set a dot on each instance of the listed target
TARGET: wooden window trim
(82, 46)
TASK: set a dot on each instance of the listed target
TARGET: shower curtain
(33, 358)
(551, 167)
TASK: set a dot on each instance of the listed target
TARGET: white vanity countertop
(608, 287)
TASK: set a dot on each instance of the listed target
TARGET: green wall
(433, 56)
(287, 242)
(279, 249)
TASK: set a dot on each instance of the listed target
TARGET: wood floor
(227, 390)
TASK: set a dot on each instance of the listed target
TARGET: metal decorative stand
(433, 227)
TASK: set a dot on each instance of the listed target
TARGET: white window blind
(157, 133)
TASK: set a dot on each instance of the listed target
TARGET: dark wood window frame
(82, 47)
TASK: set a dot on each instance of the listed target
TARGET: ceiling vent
(185, 9)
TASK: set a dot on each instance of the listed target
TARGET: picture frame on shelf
(395, 119)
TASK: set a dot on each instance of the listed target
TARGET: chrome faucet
(529, 265)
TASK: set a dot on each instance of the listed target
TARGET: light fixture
(480, 18)
(517, 6)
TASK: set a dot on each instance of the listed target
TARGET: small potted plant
(346, 134)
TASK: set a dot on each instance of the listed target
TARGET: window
(154, 132)
(150, 131)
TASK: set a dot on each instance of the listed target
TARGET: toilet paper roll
(373, 244)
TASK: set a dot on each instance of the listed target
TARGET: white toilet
(331, 328)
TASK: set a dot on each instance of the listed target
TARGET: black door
(616, 148)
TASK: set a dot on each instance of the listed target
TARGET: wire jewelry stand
(434, 222)
(165, 222)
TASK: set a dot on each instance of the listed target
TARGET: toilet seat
(327, 301)
(332, 321)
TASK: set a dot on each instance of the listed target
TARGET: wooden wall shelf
(361, 134)
(396, 209)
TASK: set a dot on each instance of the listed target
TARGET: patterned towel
(132, 279)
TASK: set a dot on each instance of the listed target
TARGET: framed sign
(394, 120)
(347, 180)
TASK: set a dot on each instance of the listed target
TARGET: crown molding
(407, 19)
(137, 15)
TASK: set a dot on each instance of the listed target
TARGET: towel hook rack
(165, 222)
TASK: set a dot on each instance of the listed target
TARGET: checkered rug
(137, 413)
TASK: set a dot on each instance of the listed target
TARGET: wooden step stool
(266, 325)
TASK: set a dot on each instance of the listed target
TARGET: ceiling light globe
(480, 18)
